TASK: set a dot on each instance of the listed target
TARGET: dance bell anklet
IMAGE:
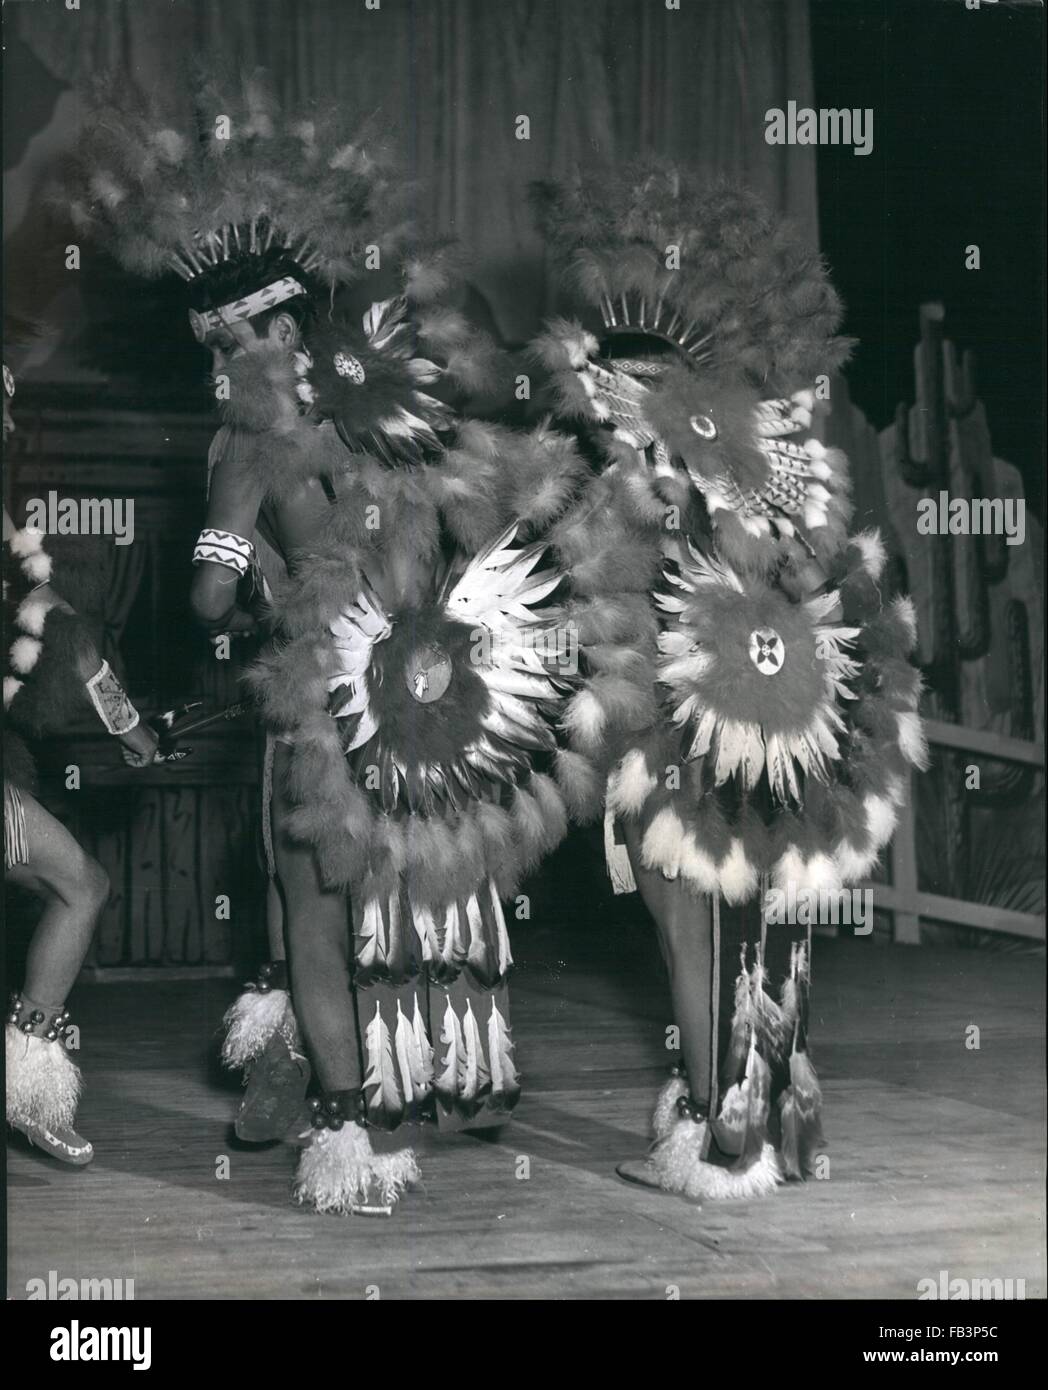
(334, 1108)
(691, 1109)
(58, 1028)
(271, 975)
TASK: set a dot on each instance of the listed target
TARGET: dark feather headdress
(256, 208)
(704, 272)
(313, 191)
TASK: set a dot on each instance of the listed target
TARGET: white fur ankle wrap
(664, 1115)
(678, 1166)
(43, 1081)
(252, 1019)
(339, 1170)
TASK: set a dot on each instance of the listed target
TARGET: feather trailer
(381, 1086)
(414, 1055)
(505, 1082)
(800, 1104)
(756, 1143)
(454, 941)
(475, 1074)
(480, 956)
(503, 955)
(422, 1052)
(372, 949)
(770, 1025)
(730, 1125)
(448, 1083)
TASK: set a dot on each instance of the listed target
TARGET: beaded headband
(246, 308)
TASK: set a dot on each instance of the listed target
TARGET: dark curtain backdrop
(600, 80)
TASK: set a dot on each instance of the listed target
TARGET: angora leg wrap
(665, 1114)
(338, 1171)
(677, 1164)
(252, 1019)
(43, 1081)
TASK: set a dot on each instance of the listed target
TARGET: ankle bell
(51, 1024)
(690, 1109)
(334, 1108)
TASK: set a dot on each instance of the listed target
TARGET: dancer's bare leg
(43, 1082)
(74, 888)
(339, 1169)
(318, 936)
(275, 925)
(684, 923)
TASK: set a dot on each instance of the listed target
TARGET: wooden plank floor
(936, 1150)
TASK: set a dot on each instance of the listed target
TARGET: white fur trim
(252, 1019)
(905, 611)
(821, 874)
(738, 877)
(697, 866)
(665, 1116)
(789, 869)
(43, 1081)
(874, 556)
(37, 568)
(338, 1171)
(584, 718)
(663, 842)
(912, 742)
(853, 864)
(630, 784)
(881, 817)
(28, 541)
(677, 1164)
(32, 614)
(580, 345)
(25, 653)
(11, 689)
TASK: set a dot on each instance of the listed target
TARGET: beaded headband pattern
(245, 308)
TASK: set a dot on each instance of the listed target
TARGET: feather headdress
(716, 321)
(708, 271)
(309, 192)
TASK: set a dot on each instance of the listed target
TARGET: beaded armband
(223, 548)
(111, 703)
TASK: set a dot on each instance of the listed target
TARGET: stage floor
(936, 1150)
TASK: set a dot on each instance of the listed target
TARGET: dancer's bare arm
(233, 505)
